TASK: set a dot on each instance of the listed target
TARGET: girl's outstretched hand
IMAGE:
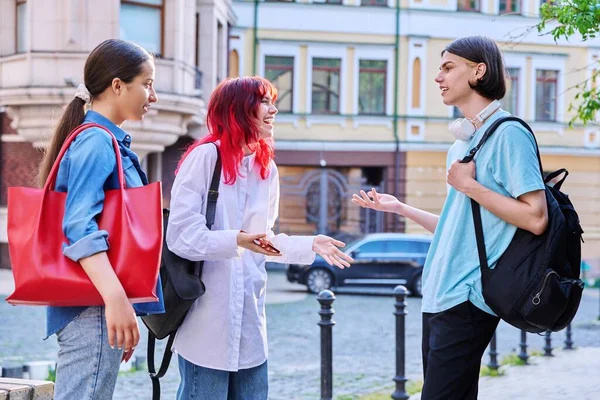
(328, 248)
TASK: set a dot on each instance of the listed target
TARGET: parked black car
(388, 259)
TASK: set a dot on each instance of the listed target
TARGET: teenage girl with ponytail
(93, 341)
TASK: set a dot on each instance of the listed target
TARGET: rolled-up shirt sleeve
(187, 234)
(294, 249)
(91, 161)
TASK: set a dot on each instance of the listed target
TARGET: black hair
(481, 49)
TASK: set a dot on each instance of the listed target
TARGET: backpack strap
(164, 365)
(479, 236)
(493, 128)
(555, 174)
(475, 207)
(213, 192)
(211, 206)
(211, 209)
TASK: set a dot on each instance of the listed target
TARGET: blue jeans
(199, 383)
(87, 367)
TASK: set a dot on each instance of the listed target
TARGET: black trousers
(453, 344)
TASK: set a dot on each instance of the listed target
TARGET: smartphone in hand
(266, 245)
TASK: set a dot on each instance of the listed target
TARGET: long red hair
(232, 119)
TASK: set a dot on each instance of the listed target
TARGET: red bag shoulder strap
(51, 181)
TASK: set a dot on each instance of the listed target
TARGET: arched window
(234, 64)
(416, 84)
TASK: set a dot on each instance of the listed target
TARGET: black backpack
(181, 285)
(535, 285)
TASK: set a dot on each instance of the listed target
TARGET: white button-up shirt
(226, 327)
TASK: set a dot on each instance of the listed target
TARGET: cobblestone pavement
(363, 342)
(567, 375)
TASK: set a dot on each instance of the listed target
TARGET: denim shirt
(87, 169)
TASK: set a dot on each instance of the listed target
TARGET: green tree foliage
(564, 19)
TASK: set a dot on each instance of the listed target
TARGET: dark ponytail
(71, 118)
(113, 58)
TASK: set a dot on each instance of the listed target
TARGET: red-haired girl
(222, 344)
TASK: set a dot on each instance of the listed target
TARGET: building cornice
(34, 111)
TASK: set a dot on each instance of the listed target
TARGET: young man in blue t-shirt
(505, 180)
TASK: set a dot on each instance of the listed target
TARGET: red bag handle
(51, 181)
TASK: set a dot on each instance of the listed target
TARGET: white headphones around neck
(464, 128)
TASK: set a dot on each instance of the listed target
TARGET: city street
(363, 342)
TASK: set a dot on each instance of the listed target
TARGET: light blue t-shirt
(507, 164)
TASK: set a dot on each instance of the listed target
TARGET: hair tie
(83, 93)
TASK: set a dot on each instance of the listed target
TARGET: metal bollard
(326, 299)
(569, 339)
(548, 345)
(493, 364)
(140, 363)
(400, 293)
(523, 356)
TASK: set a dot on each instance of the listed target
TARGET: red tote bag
(44, 276)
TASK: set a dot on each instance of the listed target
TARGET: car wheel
(318, 279)
(417, 286)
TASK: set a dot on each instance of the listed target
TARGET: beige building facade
(356, 80)
(358, 104)
(43, 47)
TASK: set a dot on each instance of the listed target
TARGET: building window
(510, 101)
(21, 28)
(469, 5)
(378, 3)
(326, 85)
(546, 92)
(142, 23)
(510, 7)
(372, 83)
(280, 71)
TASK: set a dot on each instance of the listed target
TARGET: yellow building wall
(332, 132)
(426, 189)
(248, 51)
(574, 73)
(349, 80)
(435, 105)
(425, 184)
(546, 133)
(528, 79)
(402, 78)
(324, 37)
(583, 187)
(435, 130)
(425, 170)
(302, 79)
